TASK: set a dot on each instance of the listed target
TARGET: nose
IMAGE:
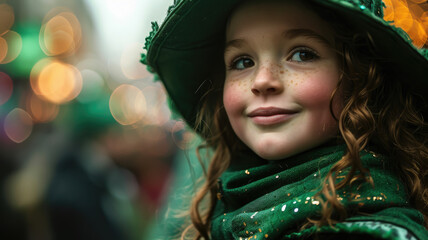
(267, 81)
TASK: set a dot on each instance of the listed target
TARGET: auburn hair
(378, 110)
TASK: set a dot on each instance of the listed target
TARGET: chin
(269, 152)
(272, 155)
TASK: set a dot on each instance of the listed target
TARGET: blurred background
(88, 145)
(87, 141)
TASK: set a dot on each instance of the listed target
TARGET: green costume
(261, 200)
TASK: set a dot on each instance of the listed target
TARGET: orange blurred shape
(35, 72)
(424, 21)
(11, 46)
(6, 87)
(127, 104)
(388, 11)
(61, 33)
(418, 1)
(3, 49)
(41, 111)
(57, 82)
(409, 16)
(417, 34)
(416, 10)
(7, 17)
(18, 125)
(403, 18)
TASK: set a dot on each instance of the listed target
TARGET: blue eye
(242, 63)
(304, 55)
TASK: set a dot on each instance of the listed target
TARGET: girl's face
(281, 72)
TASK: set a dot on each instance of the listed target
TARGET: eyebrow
(235, 43)
(289, 34)
(294, 33)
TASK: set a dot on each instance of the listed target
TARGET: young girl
(314, 112)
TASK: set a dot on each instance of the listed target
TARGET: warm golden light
(61, 33)
(59, 82)
(418, 34)
(41, 111)
(127, 104)
(58, 36)
(403, 17)
(11, 46)
(388, 11)
(35, 72)
(6, 87)
(418, 1)
(7, 17)
(18, 125)
(416, 10)
(424, 21)
(410, 16)
(3, 49)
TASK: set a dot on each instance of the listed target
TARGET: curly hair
(378, 111)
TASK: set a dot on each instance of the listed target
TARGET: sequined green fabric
(272, 200)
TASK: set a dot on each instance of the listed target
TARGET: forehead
(259, 16)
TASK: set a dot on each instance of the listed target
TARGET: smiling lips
(270, 115)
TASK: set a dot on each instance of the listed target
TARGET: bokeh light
(35, 72)
(7, 17)
(424, 21)
(93, 86)
(388, 11)
(130, 62)
(409, 16)
(41, 110)
(158, 112)
(418, 34)
(61, 33)
(127, 104)
(6, 87)
(403, 17)
(56, 81)
(12, 46)
(18, 125)
(3, 49)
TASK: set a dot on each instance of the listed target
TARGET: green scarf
(271, 200)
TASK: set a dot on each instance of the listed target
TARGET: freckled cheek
(232, 99)
(315, 90)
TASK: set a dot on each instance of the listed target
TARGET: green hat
(188, 47)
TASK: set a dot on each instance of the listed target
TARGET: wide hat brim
(188, 48)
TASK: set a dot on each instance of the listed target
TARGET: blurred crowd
(88, 145)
